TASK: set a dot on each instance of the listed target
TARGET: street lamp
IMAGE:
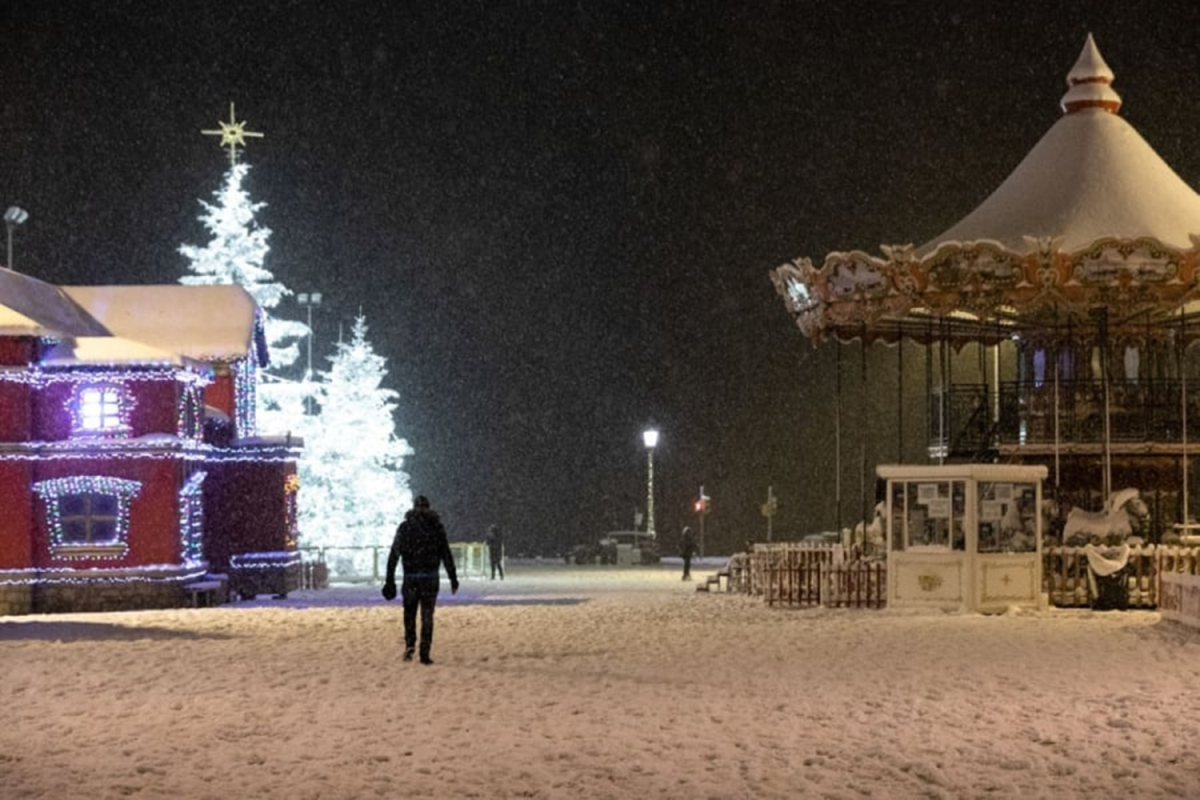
(309, 300)
(650, 439)
(13, 217)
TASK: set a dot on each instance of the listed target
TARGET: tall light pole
(309, 300)
(702, 506)
(13, 217)
(650, 439)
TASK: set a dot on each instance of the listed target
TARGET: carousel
(1057, 321)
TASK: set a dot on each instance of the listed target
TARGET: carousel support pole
(1183, 412)
(996, 383)
(943, 445)
(1057, 438)
(837, 443)
(899, 396)
(1057, 404)
(862, 483)
(1105, 374)
(928, 382)
(862, 445)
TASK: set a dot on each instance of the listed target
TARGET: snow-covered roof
(108, 350)
(32, 307)
(13, 323)
(1091, 176)
(166, 325)
(1091, 218)
(204, 323)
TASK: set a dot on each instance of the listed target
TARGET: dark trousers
(497, 564)
(419, 592)
(687, 567)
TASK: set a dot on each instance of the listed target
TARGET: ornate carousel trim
(981, 291)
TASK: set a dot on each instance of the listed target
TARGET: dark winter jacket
(421, 546)
(687, 547)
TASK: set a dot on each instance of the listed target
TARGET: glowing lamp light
(13, 217)
(650, 439)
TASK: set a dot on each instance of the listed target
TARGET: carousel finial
(1090, 81)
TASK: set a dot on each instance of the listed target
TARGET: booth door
(928, 563)
(1008, 561)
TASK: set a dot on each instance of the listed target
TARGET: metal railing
(1138, 411)
(368, 563)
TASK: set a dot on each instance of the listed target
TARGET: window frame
(55, 491)
(116, 404)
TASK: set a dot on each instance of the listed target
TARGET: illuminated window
(101, 410)
(88, 516)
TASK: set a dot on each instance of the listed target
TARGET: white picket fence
(1065, 573)
(811, 574)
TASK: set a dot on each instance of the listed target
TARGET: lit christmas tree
(353, 485)
(235, 254)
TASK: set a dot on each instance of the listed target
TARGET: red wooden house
(130, 469)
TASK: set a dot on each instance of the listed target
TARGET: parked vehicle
(623, 548)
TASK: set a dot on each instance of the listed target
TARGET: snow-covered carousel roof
(1092, 219)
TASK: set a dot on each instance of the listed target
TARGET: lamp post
(309, 300)
(650, 439)
(769, 508)
(13, 217)
(702, 506)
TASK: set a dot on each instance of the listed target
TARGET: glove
(389, 590)
(454, 586)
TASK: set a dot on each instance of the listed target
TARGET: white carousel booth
(964, 536)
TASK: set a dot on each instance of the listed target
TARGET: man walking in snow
(421, 546)
(495, 543)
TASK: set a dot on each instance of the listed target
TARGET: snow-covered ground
(596, 683)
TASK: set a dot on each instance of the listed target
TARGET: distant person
(421, 545)
(687, 549)
(495, 543)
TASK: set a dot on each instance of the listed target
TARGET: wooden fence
(806, 574)
(803, 574)
(1065, 573)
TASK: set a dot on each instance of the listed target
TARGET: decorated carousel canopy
(1092, 234)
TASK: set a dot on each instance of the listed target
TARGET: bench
(203, 592)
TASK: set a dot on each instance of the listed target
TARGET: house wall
(17, 351)
(245, 509)
(154, 409)
(219, 393)
(15, 408)
(153, 535)
(16, 515)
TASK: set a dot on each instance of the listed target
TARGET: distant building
(129, 465)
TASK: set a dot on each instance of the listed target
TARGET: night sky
(559, 218)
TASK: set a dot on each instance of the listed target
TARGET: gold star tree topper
(233, 135)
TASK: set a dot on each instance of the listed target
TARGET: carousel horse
(1124, 512)
(1015, 534)
(872, 534)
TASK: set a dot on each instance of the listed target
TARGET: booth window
(928, 515)
(1007, 517)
